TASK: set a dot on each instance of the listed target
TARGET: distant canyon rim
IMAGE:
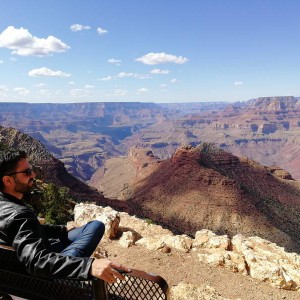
(84, 135)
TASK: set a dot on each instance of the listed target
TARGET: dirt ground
(176, 267)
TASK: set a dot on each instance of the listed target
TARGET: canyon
(84, 135)
(206, 196)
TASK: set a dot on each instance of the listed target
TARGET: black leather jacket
(20, 229)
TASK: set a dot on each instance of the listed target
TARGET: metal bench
(15, 280)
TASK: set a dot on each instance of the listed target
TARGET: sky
(163, 51)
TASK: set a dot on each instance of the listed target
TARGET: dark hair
(8, 162)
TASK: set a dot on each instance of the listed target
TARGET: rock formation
(252, 256)
(206, 187)
(84, 135)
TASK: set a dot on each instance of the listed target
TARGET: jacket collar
(12, 199)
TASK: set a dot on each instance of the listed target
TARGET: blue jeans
(82, 241)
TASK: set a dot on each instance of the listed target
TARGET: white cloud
(101, 31)
(239, 83)
(161, 58)
(40, 84)
(173, 80)
(1, 61)
(71, 82)
(21, 90)
(142, 90)
(23, 43)
(163, 85)
(124, 74)
(87, 86)
(78, 27)
(159, 71)
(114, 61)
(106, 78)
(45, 72)
(133, 75)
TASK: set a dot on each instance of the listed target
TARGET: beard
(24, 188)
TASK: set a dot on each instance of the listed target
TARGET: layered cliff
(265, 129)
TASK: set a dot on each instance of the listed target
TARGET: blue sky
(148, 51)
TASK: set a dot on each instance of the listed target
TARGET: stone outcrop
(84, 213)
(127, 239)
(220, 258)
(249, 256)
(268, 262)
(279, 172)
(163, 242)
(207, 239)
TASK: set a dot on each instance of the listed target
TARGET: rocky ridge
(210, 188)
(251, 257)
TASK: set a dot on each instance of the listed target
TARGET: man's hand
(106, 269)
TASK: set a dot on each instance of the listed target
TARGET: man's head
(16, 175)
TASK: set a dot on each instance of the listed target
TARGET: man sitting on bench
(46, 250)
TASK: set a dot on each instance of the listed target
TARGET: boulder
(84, 213)
(268, 262)
(222, 258)
(207, 239)
(127, 239)
(179, 242)
(161, 242)
(152, 244)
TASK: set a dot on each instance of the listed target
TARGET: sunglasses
(27, 172)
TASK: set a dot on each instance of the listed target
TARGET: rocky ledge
(249, 256)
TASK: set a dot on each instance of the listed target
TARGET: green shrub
(53, 203)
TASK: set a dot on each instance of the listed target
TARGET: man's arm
(31, 249)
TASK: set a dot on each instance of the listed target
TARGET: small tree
(56, 204)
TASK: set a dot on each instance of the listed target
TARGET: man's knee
(97, 226)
